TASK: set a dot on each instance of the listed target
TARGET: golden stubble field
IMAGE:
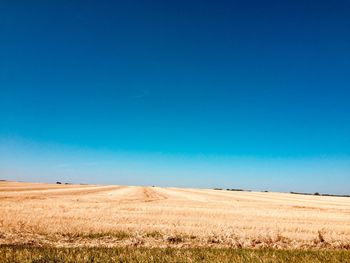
(93, 215)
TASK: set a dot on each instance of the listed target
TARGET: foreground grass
(103, 254)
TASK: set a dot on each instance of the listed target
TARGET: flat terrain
(33, 214)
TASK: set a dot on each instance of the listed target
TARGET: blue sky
(244, 94)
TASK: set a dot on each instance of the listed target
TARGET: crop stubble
(92, 215)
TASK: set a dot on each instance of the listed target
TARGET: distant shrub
(174, 239)
(58, 183)
(317, 193)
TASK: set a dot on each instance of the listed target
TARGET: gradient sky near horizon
(241, 94)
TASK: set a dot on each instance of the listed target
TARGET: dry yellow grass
(89, 215)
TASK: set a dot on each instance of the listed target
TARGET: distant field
(51, 215)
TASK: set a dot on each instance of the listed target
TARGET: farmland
(134, 222)
(90, 215)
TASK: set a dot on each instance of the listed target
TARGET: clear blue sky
(251, 94)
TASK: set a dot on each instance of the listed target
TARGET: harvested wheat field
(121, 216)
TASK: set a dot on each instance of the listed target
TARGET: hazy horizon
(26, 160)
